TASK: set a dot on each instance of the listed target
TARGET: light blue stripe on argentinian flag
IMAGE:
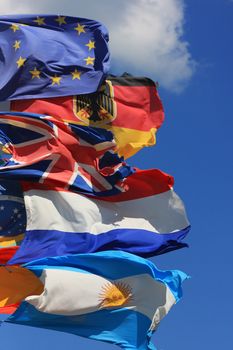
(110, 296)
(112, 265)
(121, 327)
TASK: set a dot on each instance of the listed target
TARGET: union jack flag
(64, 155)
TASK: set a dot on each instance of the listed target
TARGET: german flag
(128, 106)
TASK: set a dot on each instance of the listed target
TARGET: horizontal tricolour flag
(51, 152)
(147, 219)
(128, 106)
(49, 55)
(114, 297)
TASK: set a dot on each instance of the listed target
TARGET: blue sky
(194, 145)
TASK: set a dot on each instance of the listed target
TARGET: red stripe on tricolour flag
(142, 183)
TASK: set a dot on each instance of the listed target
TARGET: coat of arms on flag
(96, 109)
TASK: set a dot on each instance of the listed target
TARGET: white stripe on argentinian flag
(70, 292)
(60, 223)
(110, 296)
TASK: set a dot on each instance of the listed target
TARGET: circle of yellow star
(35, 73)
(61, 20)
(39, 21)
(20, 62)
(14, 27)
(90, 45)
(89, 60)
(76, 74)
(80, 29)
(17, 44)
(56, 80)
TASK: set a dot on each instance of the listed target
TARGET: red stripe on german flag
(128, 106)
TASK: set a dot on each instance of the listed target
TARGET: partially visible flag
(109, 296)
(6, 254)
(16, 284)
(147, 219)
(8, 310)
(12, 215)
(128, 106)
(66, 155)
(48, 55)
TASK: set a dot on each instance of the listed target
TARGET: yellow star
(80, 29)
(17, 44)
(61, 20)
(39, 21)
(56, 80)
(91, 45)
(14, 27)
(21, 61)
(35, 73)
(89, 60)
(76, 74)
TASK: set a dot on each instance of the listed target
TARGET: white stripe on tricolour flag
(71, 212)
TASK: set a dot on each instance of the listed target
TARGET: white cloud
(146, 36)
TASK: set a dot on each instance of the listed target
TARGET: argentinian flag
(110, 296)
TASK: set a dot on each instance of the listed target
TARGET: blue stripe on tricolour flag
(40, 243)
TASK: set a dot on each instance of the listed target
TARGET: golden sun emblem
(115, 294)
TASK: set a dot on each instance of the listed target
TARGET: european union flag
(49, 55)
